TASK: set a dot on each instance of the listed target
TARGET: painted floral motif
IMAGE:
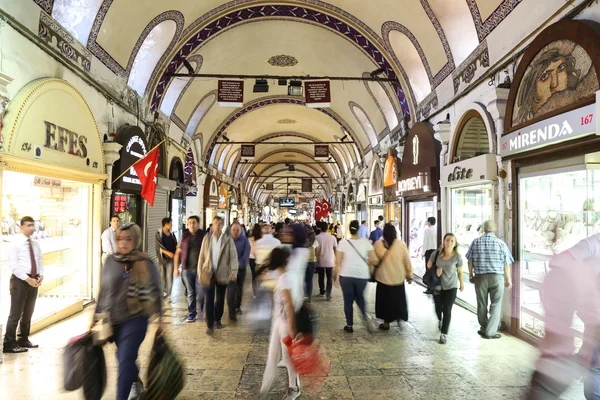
(283, 61)
(287, 121)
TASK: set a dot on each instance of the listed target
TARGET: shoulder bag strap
(357, 252)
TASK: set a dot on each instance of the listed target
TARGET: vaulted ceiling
(418, 43)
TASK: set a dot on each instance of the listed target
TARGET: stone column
(443, 133)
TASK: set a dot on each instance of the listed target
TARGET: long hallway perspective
(404, 363)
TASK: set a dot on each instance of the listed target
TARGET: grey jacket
(228, 261)
(159, 245)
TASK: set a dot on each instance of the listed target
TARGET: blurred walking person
(311, 267)
(327, 244)
(130, 292)
(235, 291)
(165, 244)
(489, 269)
(392, 267)
(447, 265)
(429, 246)
(188, 251)
(255, 235)
(352, 270)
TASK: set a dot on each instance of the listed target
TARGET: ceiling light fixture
(377, 72)
(188, 66)
(282, 82)
(261, 86)
(295, 89)
(344, 138)
(225, 138)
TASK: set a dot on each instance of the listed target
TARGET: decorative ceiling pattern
(287, 121)
(282, 61)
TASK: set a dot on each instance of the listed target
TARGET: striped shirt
(489, 255)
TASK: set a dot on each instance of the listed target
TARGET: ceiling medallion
(287, 121)
(283, 61)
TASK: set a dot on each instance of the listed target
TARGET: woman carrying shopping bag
(130, 293)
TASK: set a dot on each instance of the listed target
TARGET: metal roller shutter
(154, 218)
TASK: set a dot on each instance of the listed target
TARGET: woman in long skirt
(392, 268)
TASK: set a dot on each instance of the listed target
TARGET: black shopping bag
(165, 374)
(84, 366)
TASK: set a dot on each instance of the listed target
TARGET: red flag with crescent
(147, 169)
(318, 211)
(326, 207)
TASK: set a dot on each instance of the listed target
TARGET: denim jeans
(353, 290)
(128, 336)
(310, 273)
(195, 292)
(592, 385)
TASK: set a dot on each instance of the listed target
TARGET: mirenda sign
(567, 126)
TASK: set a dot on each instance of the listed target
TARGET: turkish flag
(146, 170)
(318, 211)
(326, 207)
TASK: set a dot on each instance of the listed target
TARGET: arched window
(383, 101)
(76, 16)
(203, 107)
(178, 85)
(365, 122)
(150, 52)
(473, 138)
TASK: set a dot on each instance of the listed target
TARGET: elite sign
(567, 126)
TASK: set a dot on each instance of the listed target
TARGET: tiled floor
(404, 363)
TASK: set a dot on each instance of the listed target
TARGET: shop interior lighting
(261, 86)
(295, 89)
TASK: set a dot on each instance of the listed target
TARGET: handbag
(166, 373)
(430, 278)
(102, 330)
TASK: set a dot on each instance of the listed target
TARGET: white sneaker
(281, 364)
(136, 391)
(292, 394)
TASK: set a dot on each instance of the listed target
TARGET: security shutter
(154, 219)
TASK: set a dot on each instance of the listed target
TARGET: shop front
(52, 169)
(393, 205)
(470, 184)
(471, 191)
(177, 197)
(235, 212)
(223, 204)
(126, 201)
(211, 200)
(375, 200)
(550, 139)
(418, 186)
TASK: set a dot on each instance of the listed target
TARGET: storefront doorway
(418, 212)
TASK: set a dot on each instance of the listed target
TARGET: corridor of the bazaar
(341, 199)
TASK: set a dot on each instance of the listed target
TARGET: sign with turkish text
(567, 126)
(230, 93)
(247, 152)
(317, 94)
(321, 152)
(307, 185)
(269, 186)
(134, 148)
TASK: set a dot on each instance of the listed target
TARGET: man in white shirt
(25, 261)
(265, 245)
(429, 246)
(109, 239)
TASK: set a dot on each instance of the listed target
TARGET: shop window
(152, 49)
(62, 213)
(127, 207)
(76, 16)
(473, 140)
(556, 210)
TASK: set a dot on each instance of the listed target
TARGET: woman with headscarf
(392, 267)
(130, 293)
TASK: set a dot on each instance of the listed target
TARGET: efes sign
(567, 126)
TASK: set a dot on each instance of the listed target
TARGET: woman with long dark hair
(448, 264)
(255, 235)
(130, 292)
(392, 267)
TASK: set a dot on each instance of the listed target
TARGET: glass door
(471, 207)
(418, 212)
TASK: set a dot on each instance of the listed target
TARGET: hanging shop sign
(269, 186)
(247, 152)
(211, 192)
(230, 93)
(567, 126)
(481, 168)
(134, 148)
(419, 167)
(42, 181)
(223, 197)
(390, 176)
(321, 152)
(318, 94)
(307, 185)
(50, 121)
